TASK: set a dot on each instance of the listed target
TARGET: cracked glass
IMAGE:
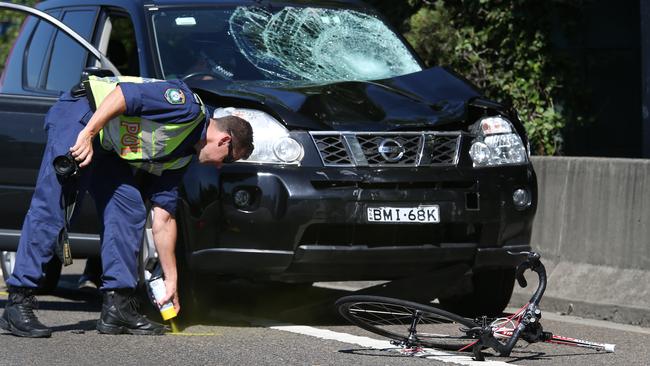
(280, 43)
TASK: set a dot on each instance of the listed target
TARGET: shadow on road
(374, 352)
(243, 303)
(305, 304)
(278, 302)
(66, 297)
(79, 327)
(517, 356)
(238, 302)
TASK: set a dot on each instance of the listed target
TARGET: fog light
(242, 198)
(521, 198)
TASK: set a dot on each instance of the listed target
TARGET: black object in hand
(66, 166)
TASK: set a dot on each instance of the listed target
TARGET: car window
(278, 43)
(116, 39)
(122, 49)
(35, 51)
(68, 57)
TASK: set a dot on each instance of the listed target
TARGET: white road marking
(367, 342)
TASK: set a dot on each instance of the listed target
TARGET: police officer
(133, 139)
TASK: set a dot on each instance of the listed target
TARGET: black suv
(366, 164)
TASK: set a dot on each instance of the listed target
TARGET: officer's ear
(224, 139)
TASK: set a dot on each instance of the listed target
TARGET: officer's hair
(241, 132)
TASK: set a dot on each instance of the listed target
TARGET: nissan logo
(391, 150)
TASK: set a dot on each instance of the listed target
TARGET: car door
(53, 56)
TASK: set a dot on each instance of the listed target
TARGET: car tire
(492, 289)
(48, 282)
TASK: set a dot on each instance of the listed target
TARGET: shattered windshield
(286, 43)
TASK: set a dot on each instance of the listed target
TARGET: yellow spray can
(157, 286)
(157, 289)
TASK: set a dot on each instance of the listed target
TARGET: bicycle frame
(525, 321)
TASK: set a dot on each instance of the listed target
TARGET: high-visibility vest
(144, 144)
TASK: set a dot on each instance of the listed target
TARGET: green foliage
(397, 12)
(504, 48)
(10, 20)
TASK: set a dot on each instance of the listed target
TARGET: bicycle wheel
(394, 318)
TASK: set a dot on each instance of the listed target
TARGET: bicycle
(412, 325)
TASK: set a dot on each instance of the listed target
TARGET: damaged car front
(366, 165)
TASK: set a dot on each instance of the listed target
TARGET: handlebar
(534, 263)
(532, 312)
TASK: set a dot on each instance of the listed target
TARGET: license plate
(421, 214)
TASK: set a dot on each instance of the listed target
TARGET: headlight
(271, 139)
(497, 144)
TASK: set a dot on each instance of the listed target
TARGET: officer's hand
(83, 148)
(171, 294)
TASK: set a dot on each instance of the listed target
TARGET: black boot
(19, 317)
(120, 315)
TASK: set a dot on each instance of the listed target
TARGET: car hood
(427, 99)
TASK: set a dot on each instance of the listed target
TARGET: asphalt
(239, 330)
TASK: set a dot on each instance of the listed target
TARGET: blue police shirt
(148, 100)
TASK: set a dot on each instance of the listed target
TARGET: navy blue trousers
(111, 183)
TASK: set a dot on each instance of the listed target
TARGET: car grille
(398, 149)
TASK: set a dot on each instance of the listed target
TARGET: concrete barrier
(593, 230)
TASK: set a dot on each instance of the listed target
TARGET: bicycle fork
(412, 329)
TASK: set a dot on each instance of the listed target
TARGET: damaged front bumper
(310, 224)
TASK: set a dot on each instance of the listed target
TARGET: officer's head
(228, 139)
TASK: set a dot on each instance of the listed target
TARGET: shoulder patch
(174, 96)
